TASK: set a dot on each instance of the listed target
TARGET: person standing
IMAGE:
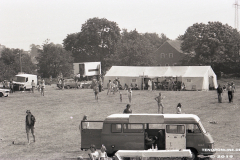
(30, 122)
(149, 85)
(159, 100)
(230, 96)
(96, 90)
(120, 93)
(63, 83)
(219, 92)
(127, 110)
(109, 86)
(130, 95)
(11, 86)
(42, 87)
(33, 86)
(85, 125)
(179, 108)
(50, 80)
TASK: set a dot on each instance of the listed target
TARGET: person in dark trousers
(127, 110)
(30, 122)
(219, 92)
(230, 93)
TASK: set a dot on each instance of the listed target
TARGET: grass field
(59, 112)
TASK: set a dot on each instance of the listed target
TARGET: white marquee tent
(194, 77)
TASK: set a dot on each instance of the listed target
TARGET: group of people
(230, 89)
(95, 155)
(40, 86)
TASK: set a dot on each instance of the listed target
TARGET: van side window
(133, 128)
(178, 129)
(156, 126)
(193, 128)
(26, 79)
(116, 128)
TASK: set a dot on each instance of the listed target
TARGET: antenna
(236, 14)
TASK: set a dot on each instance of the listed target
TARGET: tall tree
(53, 59)
(211, 43)
(97, 40)
(133, 49)
(155, 39)
(10, 63)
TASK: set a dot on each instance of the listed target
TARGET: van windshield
(20, 79)
(201, 126)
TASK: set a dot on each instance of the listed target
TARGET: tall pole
(236, 14)
(20, 61)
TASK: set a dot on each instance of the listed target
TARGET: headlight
(211, 146)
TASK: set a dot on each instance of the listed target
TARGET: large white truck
(24, 81)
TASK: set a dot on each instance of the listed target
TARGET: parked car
(69, 83)
(4, 92)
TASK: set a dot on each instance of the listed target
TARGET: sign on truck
(129, 131)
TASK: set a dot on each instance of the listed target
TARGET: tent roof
(159, 71)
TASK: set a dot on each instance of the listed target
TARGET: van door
(91, 133)
(175, 137)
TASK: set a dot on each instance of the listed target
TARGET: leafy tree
(10, 63)
(34, 52)
(133, 49)
(97, 40)
(211, 44)
(155, 39)
(53, 59)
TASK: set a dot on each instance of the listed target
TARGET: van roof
(153, 118)
(25, 75)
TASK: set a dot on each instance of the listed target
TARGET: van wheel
(1, 94)
(194, 155)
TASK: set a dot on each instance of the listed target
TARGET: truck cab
(132, 131)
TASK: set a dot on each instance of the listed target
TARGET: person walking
(30, 122)
(219, 92)
(130, 95)
(33, 86)
(159, 100)
(127, 110)
(230, 95)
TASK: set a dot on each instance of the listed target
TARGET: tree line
(213, 44)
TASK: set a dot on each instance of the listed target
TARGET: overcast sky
(26, 22)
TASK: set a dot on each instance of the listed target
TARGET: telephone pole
(236, 14)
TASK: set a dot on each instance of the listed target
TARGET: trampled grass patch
(59, 112)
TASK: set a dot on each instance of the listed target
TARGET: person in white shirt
(85, 125)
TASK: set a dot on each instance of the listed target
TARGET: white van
(24, 81)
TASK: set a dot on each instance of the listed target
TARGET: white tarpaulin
(194, 77)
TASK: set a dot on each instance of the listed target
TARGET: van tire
(194, 154)
(1, 94)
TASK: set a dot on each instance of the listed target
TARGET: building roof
(176, 44)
